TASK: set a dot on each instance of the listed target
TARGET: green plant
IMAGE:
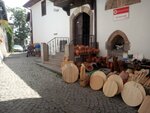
(4, 24)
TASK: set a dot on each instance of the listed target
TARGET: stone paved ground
(27, 88)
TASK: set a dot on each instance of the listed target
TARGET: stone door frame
(82, 9)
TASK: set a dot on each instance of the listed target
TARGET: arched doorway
(117, 43)
(85, 15)
(81, 29)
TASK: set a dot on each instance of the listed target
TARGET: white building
(128, 30)
(48, 21)
(3, 25)
(135, 27)
(4, 43)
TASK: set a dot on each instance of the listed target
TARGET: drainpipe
(95, 22)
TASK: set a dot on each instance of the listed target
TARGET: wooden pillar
(69, 51)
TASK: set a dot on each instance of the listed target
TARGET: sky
(12, 4)
(15, 3)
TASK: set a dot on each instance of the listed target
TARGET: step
(54, 63)
(55, 60)
(58, 55)
(55, 69)
(53, 66)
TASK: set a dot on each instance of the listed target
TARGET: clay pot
(97, 50)
(124, 75)
(77, 52)
(97, 60)
(89, 68)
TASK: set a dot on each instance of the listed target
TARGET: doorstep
(47, 65)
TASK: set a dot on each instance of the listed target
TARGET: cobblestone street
(26, 87)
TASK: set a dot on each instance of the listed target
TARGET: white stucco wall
(4, 44)
(136, 27)
(46, 27)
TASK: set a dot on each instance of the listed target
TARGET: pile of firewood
(141, 77)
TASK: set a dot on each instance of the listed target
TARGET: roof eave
(30, 3)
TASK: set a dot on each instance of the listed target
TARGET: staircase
(57, 44)
(54, 63)
(56, 59)
(56, 53)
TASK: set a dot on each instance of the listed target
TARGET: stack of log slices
(133, 92)
(129, 84)
(140, 77)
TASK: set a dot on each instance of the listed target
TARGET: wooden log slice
(100, 73)
(131, 77)
(141, 88)
(118, 80)
(110, 88)
(144, 108)
(84, 82)
(132, 95)
(147, 71)
(65, 62)
(70, 73)
(82, 72)
(96, 82)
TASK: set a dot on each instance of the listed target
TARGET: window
(43, 7)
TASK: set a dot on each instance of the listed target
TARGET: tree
(21, 27)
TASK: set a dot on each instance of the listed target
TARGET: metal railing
(57, 44)
(80, 41)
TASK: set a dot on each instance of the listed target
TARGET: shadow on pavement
(56, 95)
(29, 106)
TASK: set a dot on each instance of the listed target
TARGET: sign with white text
(121, 13)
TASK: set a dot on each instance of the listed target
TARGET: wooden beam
(30, 3)
(69, 4)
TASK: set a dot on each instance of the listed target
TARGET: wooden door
(81, 29)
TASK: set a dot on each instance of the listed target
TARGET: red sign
(121, 10)
(121, 13)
